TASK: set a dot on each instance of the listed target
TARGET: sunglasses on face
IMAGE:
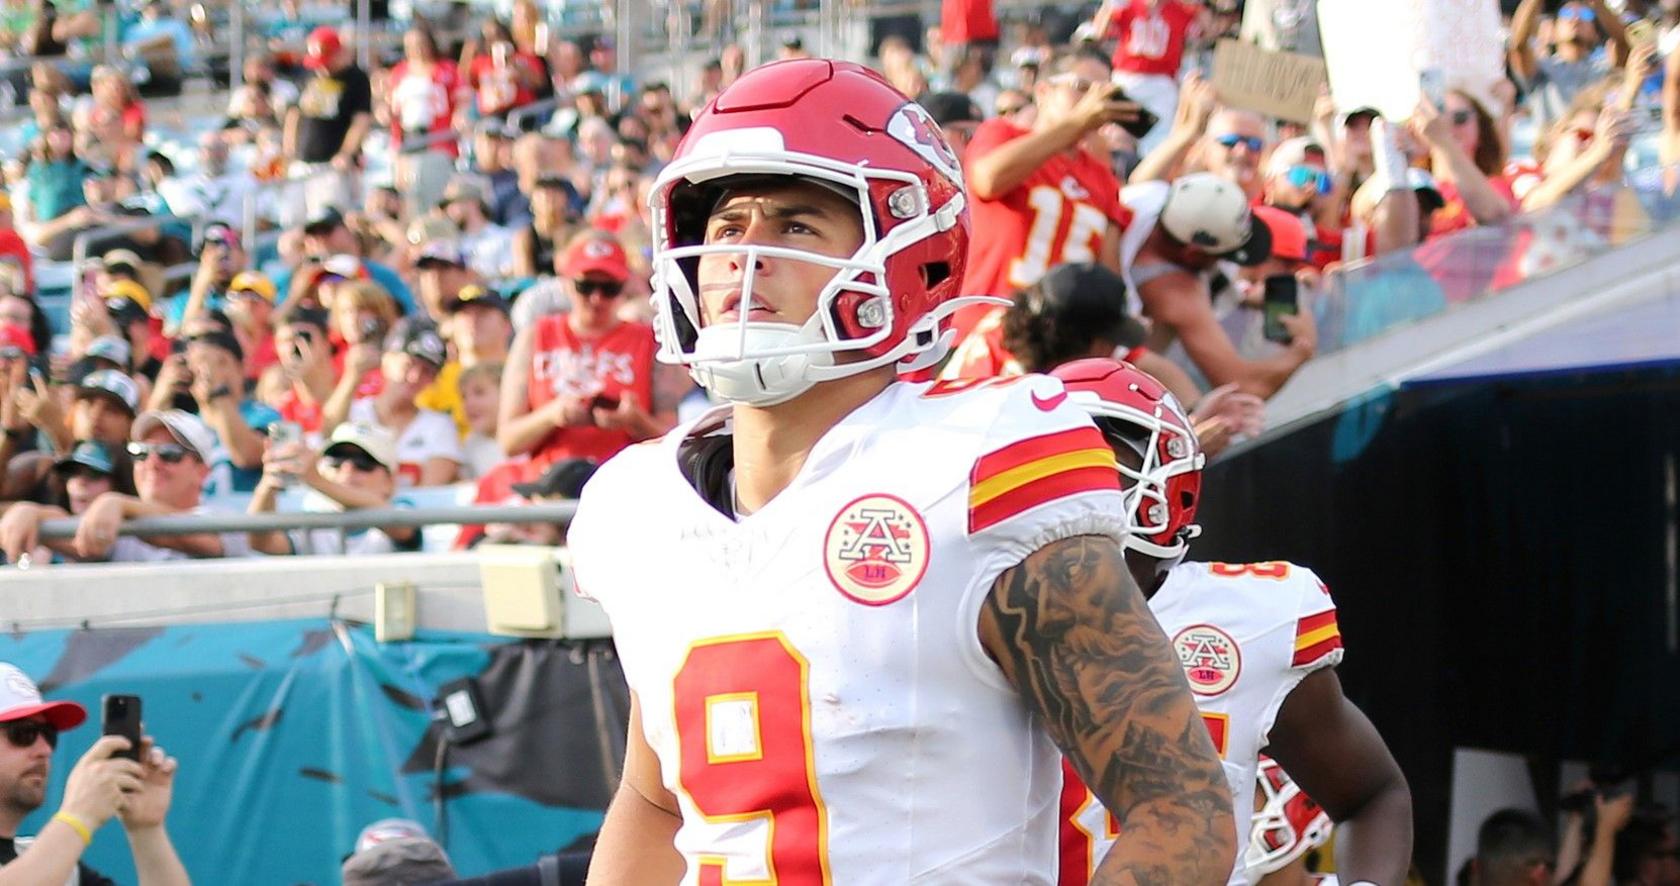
(361, 461)
(1462, 116)
(1230, 140)
(171, 453)
(23, 733)
(1308, 176)
(603, 288)
(1577, 13)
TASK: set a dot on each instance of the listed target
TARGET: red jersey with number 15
(1058, 215)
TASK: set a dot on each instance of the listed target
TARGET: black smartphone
(120, 715)
(1283, 296)
(1145, 120)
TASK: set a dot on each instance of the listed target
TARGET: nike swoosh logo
(1048, 404)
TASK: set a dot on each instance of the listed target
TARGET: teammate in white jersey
(1258, 642)
(859, 617)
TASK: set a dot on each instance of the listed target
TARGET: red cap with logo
(323, 46)
(600, 254)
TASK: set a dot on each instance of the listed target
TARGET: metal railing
(368, 518)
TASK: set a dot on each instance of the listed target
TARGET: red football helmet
(842, 126)
(1132, 408)
(1287, 824)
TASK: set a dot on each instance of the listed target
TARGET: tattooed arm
(1070, 631)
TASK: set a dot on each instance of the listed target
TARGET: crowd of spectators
(354, 285)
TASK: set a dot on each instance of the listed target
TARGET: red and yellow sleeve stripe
(1038, 470)
(1315, 637)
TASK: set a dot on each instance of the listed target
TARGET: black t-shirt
(328, 103)
(89, 876)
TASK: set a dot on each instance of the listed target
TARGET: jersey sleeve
(1318, 638)
(988, 136)
(1044, 473)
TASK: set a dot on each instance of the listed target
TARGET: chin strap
(944, 340)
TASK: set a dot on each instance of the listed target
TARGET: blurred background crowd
(355, 256)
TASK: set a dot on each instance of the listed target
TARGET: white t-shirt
(482, 454)
(132, 549)
(431, 434)
(332, 541)
(490, 251)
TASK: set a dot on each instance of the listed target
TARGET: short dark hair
(1642, 836)
(1508, 843)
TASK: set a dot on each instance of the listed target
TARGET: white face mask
(758, 381)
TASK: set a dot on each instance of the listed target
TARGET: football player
(1258, 641)
(858, 616)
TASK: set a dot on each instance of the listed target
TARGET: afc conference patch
(1210, 658)
(876, 549)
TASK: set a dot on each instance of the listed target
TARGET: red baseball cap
(597, 253)
(20, 700)
(322, 47)
(15, 336)
(1289, 233)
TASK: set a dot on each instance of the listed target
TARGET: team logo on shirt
(1210, 658)
(914, 126)
(876, 550)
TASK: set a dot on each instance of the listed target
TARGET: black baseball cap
(473, 294)
(952, 107)
(420, 340)
(1085, 296)
(563, 479)
(227, 341)
(323, 220)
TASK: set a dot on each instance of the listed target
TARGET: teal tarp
(293, 735)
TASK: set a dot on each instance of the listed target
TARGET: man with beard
(1574, 60)
(101, 785)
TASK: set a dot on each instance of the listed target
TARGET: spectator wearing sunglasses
(357, 469)
(581, 384)
(1467, 158)
(1575, 58)
(90, 470)
(1299, 182)
(101, 786)
(171, 452)
(1236, 141)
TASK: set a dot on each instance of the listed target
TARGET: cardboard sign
(1277, 84)
(1382, 53)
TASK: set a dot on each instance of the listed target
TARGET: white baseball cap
(20, 699)
(375, 441)
(188, 430)
(1213, 215)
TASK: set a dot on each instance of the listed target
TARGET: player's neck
(771, 443)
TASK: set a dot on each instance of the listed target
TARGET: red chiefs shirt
(1152, 40)
(1455, 215)
(967, 21)
(1058, 215)
(424, 104)
(608, 365)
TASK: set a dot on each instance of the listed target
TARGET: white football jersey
(810, 676)
(1246, 635)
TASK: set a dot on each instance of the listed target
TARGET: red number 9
(743, 716)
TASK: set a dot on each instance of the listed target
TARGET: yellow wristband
(76, 824)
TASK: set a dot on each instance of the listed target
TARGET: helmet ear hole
(936, 272)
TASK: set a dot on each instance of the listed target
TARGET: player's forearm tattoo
(1073, 635)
